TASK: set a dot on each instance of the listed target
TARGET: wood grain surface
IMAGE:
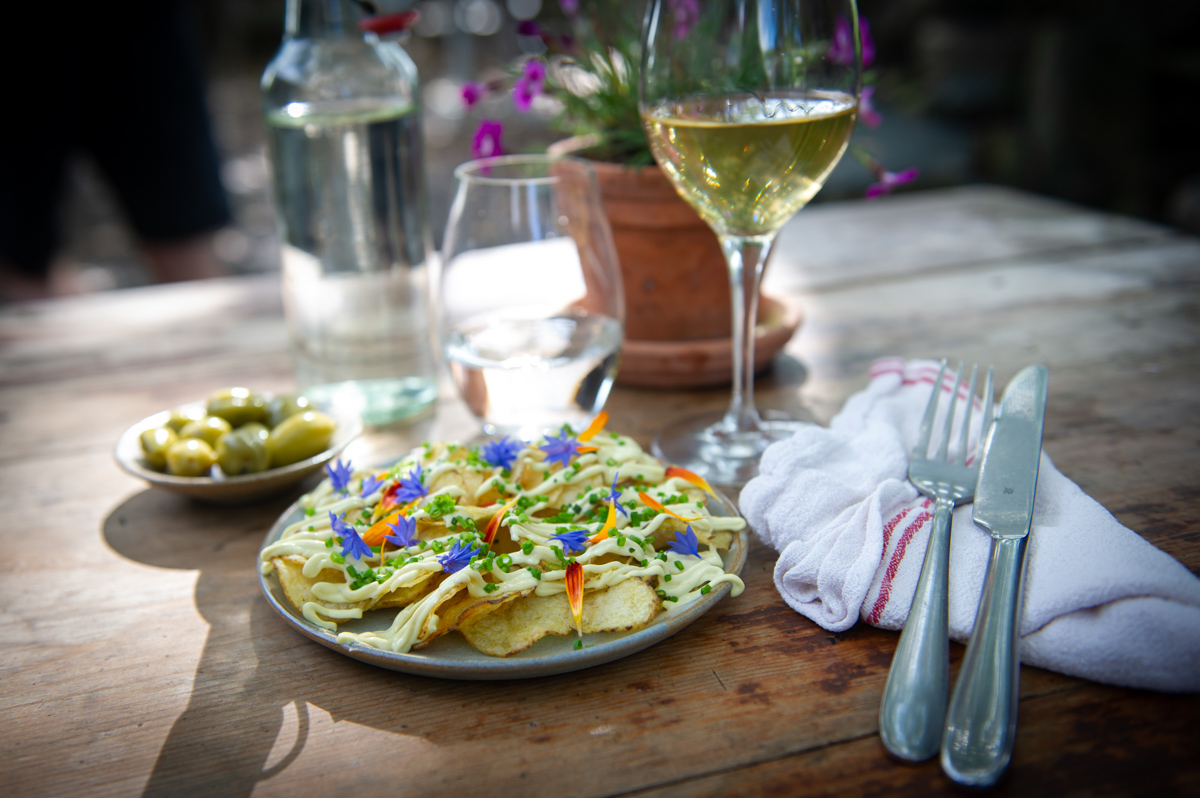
(140, 658)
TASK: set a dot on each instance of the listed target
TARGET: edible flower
(370, 484)
(692, 477)
(352, 545)
(614, 496)
(686, 14)
(409, 488)
(494, 525)
(653, 504)
(572, 542)
(406, 532)
(561, 449)
(610, 523)
(594, 428)
(501, 453)
(457, 558)
(486, 142)
(685, 543)
(339, 475)
(574, 582)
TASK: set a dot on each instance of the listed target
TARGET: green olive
(180, 417)
(155, 443)
(282, 408)
(299, 437)
(190, 457)
(242, 452)
(259, 431)
(207, 429)
(238, 406)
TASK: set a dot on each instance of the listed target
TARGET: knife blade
(981, 722)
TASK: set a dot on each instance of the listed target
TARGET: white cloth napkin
(1100, 602)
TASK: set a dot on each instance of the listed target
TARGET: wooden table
(138, 654)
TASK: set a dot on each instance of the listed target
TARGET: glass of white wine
(748, 105)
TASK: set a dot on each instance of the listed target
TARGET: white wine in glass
(747, 106)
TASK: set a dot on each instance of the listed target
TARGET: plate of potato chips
(505, 560)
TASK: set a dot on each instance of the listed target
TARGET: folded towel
(1100, 601)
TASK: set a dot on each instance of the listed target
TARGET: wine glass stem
(746, 256)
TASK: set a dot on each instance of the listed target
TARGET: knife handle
(913, 711)
(981, 725)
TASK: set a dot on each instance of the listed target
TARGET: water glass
(530, 311)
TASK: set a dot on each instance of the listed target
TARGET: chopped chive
(310, 511)
(578, 644)
(535, 572)
(704, 591)
(328, 542)
(527, 547)
(679, 565)
(666, 577)
(337, 558)
(670, 598)
(490, 588)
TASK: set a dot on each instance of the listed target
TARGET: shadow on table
(253, 666)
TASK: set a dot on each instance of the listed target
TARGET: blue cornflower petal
(501, 453)
(352, 544)
(615, 498)
(409, 488)
(573, 541)
(457, 558)
(370, 484)
(561, 449)
(685, 543)
(406, 532)
(339, 475)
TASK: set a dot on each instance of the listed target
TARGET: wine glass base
(727, 460)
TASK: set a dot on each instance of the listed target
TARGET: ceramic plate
(223, 489)
(451, 657)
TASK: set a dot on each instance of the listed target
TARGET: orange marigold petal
(374, 535)
(574, 582)
(494, 525)
(654, 504)
(597, 424)
(692, 477)
(609, 524)
(586, 449)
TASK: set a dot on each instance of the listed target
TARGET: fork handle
(913, 710)
(981, 725)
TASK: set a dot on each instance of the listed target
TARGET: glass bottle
(343, 129)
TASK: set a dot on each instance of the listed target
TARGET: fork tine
(960, 454)
(921, 450)
(988, 408)
(944, 445)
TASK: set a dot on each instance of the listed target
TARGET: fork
(913, 711)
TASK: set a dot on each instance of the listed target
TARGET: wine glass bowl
(527, 295)
(748, 106)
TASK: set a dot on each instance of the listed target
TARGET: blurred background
(1086, 101)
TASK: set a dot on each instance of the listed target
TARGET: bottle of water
(344, 135)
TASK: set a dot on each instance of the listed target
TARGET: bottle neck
(311, 19)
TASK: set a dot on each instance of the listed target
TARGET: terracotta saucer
(707, 362)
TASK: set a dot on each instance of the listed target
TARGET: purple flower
(531, 83)
(487, 139)
(352, 545)
(405, 529)
(457, 558)
(409, 488)
(472, 93)
(889, 180)
(502, 453)
(841, 51)
(527, 27)
(866, 111)
(339, 475)
(573, 541)
(686, 14)
(370, 484)
(569, 7)
(562, 449)
(685, 543)
(615, 497)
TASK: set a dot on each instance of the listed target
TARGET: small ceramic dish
(223, 489)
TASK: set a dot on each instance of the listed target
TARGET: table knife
(981, 722)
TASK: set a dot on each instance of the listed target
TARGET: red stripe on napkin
(885, 589)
